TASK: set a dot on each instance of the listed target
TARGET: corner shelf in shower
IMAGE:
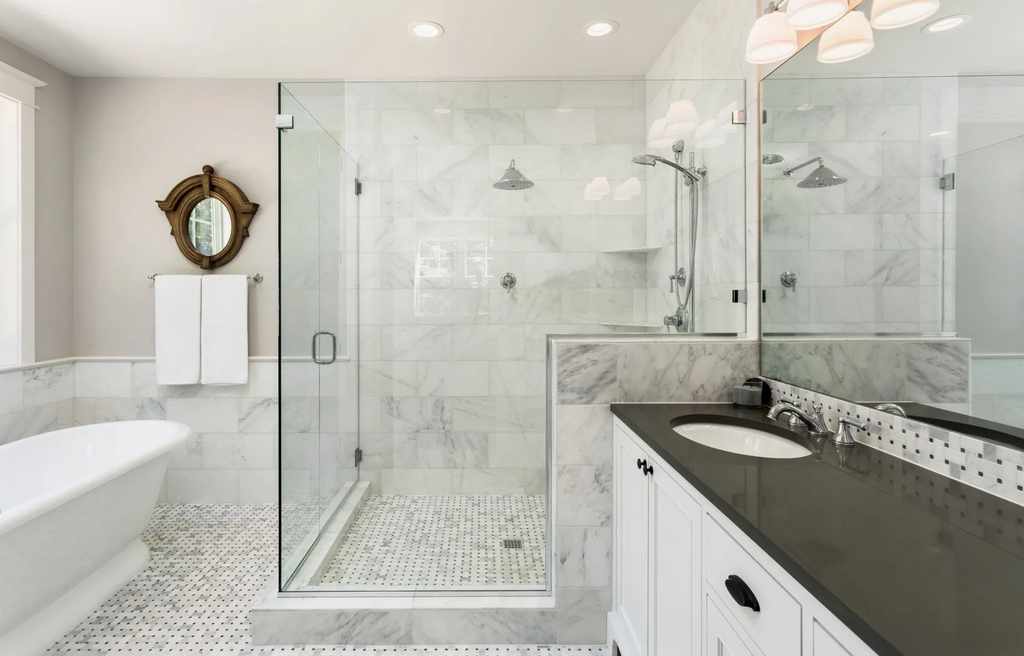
(628, 251)
(646, 326)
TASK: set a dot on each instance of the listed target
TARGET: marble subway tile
(416, 481)
(12, 392)
(28, 422)
(451, 95)
(418, 414)
(684, 372)
(883, 123)
(584, 496)
(516, 451)
(202, 486)
(583, 556)
(107, 409)
(239, 450)
(479, 627)
(501, 343)
(583, 435)
(550, 126)
(414, 128)
(204, 415)
(583, 615)
(444, 450)
(452, 162)
(515, 378)
(488, 126)
(453, 378)
(49, 384)
(587, 374)
(488, 481)
(258, 415)
(512, 94)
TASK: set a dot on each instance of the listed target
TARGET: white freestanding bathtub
(73, 505)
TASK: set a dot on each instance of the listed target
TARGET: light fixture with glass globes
(771, 39)
(851, 37)
(891, 14)
(425, 29)
(602, 27)
(812, 14)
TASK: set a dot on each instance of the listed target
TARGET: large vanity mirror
(892, 248)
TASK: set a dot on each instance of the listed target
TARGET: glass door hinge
(948, 182)
(358, 187)
(739, 117)
(359, 456)
(739, 296)
(284, 122)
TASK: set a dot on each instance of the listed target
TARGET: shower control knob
(508, 281)
(788, 279)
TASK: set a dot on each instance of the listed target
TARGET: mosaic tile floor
(442, 542)
(209, 564)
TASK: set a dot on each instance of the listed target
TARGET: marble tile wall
(705, 63)
(874, 254)
(451, 371)
(933, 371)
(589, 374)
(36, 399)
(988, 466)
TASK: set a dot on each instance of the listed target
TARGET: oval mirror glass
(209, 226)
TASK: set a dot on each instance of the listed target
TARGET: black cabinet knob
(639, 464)
(741, 593)
(648, 470)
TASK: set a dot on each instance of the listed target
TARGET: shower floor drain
(512, 544)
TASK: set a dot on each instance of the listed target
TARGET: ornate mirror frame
(187, 194)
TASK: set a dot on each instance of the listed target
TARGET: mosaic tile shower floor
(209, 564)
(442, 542)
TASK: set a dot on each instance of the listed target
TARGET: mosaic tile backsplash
(991, 467)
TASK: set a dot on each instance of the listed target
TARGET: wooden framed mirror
(209, 217)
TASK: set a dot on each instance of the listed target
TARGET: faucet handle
(816, 408)
(843, 436)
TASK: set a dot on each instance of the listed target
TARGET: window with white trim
(17, 216)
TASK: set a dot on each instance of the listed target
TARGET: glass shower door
(318, 428)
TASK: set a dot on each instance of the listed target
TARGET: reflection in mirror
(901, 284)
(209, 226)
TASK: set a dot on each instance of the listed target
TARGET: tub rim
(26, 512)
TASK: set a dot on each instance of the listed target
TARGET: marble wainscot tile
(498, 627)
(584, 496)
(28, 422)
(583, 556)
(144, 384)
(48, 384)
(103, 379)
(938, 372)
(105, 409)
(684, 372)
(205, 415)
(12, 392)
(587, 374)
(583, 615)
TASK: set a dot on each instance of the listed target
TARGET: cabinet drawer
(775, 627)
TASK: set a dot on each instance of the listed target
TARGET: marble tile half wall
(933, 371)
(589, 374)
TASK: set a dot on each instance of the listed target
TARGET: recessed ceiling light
(602, 27)
(425, 29)
(946, 23)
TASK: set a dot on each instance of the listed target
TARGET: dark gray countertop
(916, 564)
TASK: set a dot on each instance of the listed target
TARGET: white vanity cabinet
(674, 553)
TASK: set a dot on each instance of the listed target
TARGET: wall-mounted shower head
(513, 180)
(819, 178)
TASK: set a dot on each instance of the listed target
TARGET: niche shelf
(642, 249)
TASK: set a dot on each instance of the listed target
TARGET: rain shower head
(513, 180)
(819, 178)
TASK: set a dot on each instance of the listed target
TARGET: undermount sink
(744, 441)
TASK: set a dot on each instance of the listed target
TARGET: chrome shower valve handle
(508, 281)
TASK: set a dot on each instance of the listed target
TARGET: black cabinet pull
(741, 593)
(648, 470)
(639, 465)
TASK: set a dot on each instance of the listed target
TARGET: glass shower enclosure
(415, 455)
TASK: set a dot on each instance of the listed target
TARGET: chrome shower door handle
(334, 347)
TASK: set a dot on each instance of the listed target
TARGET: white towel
(177, 329)
(225, 340)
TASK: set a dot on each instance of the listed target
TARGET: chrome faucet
(892, 409)
(842, 436)
(814, 420)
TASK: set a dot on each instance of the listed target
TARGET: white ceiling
(340, 39)
(989, 43)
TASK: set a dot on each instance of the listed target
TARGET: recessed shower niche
(421, 273)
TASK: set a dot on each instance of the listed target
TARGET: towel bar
(256, 277)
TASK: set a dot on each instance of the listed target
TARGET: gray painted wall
(134, 139)
(54, 231)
